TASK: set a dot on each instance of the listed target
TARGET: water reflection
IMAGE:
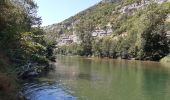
(46, 91)
(105, 79)
(156, 83)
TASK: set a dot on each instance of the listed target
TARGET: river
(78, 78)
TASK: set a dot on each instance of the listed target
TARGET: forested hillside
(128, 29)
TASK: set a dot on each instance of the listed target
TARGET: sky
(55, 11)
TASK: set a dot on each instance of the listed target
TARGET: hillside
(113, 28)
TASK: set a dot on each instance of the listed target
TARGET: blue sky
(55, 11)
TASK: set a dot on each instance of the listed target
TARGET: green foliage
(98, 16)
(20, 35)
(96, 47)
(73, 49)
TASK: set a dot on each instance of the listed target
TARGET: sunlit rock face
(139, 5)
(111, 1)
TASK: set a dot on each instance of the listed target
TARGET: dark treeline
(22, 44)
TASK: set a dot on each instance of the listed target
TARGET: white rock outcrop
(140, 5)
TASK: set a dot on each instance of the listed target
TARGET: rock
(34, 73)
(53, 59)
(29, 74)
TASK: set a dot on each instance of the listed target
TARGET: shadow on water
(46, 91)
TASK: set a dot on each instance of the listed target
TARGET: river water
(78, 78)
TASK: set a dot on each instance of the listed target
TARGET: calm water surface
(77, 78)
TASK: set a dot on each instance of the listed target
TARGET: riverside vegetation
(23, 49)
(139, 33)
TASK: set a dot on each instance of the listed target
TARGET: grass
(166, 59)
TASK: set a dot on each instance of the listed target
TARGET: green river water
(78, 78)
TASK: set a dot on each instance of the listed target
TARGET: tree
(153, 36)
